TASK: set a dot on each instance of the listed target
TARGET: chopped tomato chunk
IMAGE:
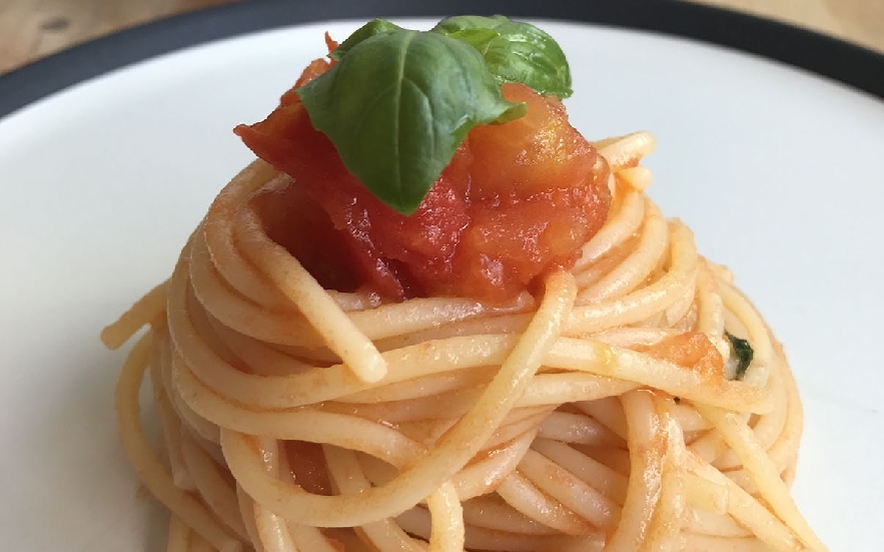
(691, 350)
(313, 70)
(517, 201)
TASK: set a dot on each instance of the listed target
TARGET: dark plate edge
(850, 64)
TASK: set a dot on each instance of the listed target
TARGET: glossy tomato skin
(389, 253)
(539, 192)
(516, 201)
(532, 154)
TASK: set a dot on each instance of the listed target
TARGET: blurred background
(31, 29)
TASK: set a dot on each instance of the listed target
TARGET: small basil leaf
(480, 39)
(374, 27)
(463, 22)
(515, 111)
(399, 104)
(741, 355)
(519, 53)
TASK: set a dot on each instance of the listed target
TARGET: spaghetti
(595, 414)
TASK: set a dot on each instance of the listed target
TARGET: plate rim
(826, 56)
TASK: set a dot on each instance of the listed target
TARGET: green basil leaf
(478, 38)
(519, 53)
(398, 105)
(463, 22)
(741, 355)
(374, 27)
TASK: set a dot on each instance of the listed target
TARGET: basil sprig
(374, 27)
(398, 103)
(514, 51)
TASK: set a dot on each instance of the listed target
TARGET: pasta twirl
(609, 404)
(465, 418)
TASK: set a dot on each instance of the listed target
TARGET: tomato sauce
(516, 201)
(691, 350)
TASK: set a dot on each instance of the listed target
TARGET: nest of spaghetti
(623, 396)
(588, 418)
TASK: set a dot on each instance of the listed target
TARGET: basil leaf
(374, 27)
(741, 355)
(398, 105)
(478, 38)
(520, 52)
(463, 22)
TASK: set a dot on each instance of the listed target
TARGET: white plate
(778, 173)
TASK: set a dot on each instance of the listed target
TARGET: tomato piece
(516, 201)
(531, 154)
(392, 254)
(693, 351)
(313, 70)
(539, 192)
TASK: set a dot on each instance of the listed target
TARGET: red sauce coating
(307, 466)
(691, 350)
(517, 201)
